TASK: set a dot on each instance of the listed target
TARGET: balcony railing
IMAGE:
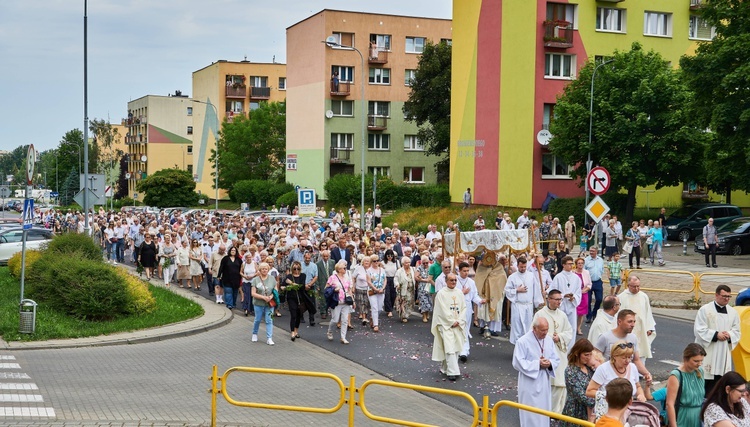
(558, 34)
(377, 122)
(236, 91)
(378, 57)
(136, 139)
(340, 89)
(696, 4)
(340, 155)
(133, 121)
(260, 92)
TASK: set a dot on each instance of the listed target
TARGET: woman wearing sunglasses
(620, 366)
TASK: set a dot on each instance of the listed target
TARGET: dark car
(734, 238)
(688, 221)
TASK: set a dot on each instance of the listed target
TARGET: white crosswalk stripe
(14, 376)
(16, 398)
(18, 386)
(17, 392)
(10, 366)
(7, 357)
(18, 412)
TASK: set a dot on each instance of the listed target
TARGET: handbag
(628, 247)
(349, 300)
(276, 300)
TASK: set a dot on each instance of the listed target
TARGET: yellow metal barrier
(695, 289)
(711, 273)
(488, 416)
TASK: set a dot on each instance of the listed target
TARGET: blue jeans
(247, 302)
(263, 312)
(596, 291)
(230, 295)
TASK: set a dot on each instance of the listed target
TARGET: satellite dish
(127, 175)
(144, 158)
(543, 137)
(332, 40)
(329, 114)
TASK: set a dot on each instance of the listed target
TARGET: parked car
(743, 297)
(11, 241)
(734, 238)
(688, 221)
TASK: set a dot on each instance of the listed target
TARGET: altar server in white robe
(717, 329)
(570, 285)
(448, 327)
(469, 289)
(536, 360)
(524, 294)
(561, 333)
(645, 326)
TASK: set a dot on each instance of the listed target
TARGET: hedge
(14, 263)
(563, 208)
(345, 189)
(69, 243)
(287, 199)
(256, 192)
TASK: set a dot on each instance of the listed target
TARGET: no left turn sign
(598, 181)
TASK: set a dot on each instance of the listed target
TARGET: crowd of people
(270, 266)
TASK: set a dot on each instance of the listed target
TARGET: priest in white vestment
(645, 325)
(524, 295)
(561, 333)
(536, 360)
(605, 320)
(570, 285)
(448, 327)
(469, 289)
(717, 329)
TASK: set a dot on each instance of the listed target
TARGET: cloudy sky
(136, 48)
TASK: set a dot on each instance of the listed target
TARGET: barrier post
(352, 395)
(485, 421)
(214, 392)
(697, 286)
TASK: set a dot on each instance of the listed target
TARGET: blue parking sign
(306, 202)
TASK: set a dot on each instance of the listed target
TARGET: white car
(11, 241)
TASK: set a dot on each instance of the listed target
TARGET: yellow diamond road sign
(597, 209)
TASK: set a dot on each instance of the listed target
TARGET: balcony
(139, 139)
(134, 121)
(378, 57)
(260, 92)
(236, 91)
(558, 34)
(340, 155)
(342, 89)
(377, 122)
(696, 4)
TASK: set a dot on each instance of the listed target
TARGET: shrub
(69, 243)
(345, 189)
(289, 199)
(14, 263)
(140, 300)
(563, 208)
(256, 192)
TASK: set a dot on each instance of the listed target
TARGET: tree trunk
(630, 207)
(729, 193)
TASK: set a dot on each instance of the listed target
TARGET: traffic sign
(93, 198)
(108, 191)
(597, 209)
(135, 196)
(4, 192)
(28, 213)
(598, 180)
(54, 194)
(306, 202)
(30, 161)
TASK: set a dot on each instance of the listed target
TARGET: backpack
(331, 297)
(642, 413)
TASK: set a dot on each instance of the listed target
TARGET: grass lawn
(50, 324)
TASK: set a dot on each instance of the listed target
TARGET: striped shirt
(709, 234)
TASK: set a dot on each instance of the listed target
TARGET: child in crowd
(584, 243)
(615, 274)
(619, 397)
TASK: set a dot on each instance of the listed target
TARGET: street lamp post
(333, 44)
(216, 162)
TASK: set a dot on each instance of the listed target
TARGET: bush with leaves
(169, 187)
(72, 243)
(287, 199)
(140, 300)
(256, 192)
(14, 263)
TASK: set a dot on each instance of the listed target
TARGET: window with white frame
(610, 19)
(548, 115)
(379, 170)
(415, 44)
(657, 24)
(282, 83)
(700, 30)
(382, 41)
(380, 141)
(554, 167)
(342, 107)
(563, 12)
(346, 74)
(234, 106)
(558, 65)
(259, 81)
(380, 76)
(344, 39)
(342, 141)
(379, 108)
(414, 174)
(412, 143)
(189, 130)
(189, 111)
(409, 75)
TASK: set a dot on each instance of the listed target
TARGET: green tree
(69, 188)
(14, 163)
(642, 130)
(169, 187)
(429, 103)
(719, 74)
(253, 147)
(106, 155)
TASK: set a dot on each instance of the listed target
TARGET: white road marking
(671, 362)
(14, 376)
(18, 386)
(26, 412)
(10, 366)
(7, 357)
(17, 398)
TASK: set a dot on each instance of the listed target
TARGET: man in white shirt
(432, 233)
(523, 221)
(605, 321)
(717, 329)
(569, 284)
(469, 289)
(633, 299)
(524, 295)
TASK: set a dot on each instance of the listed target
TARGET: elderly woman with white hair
(343, 293)
(424, 284)
(376, 293)
(405, 283)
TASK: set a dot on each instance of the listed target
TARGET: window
(412, 143)
(610, 19)
(342, 108)
(189, 130)
(344, 39)
(235, 80)
(346, 74)
(699, 29)
(412, 174)
(415, 44)
(379, 108)
(548, 115)
(557, 65)
(254, 105)
(342, 141)
(657, 24)
(190, 149)
(449, 42)
(381, 76)
(379, 141)
(562, 12)
(409, 75)
(554, 167)
(379, 170)
(259, 81)
(382, 41)
(282, 83)
(190, 169)
(189, 111)
(234, 106)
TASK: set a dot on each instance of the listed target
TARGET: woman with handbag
(390, 265)
(167, 254)
(229, 274)
(376, 293)
(183, 264)
(633, 237)
(262, 288)
(343, 293)
(685, 389)
(294, 287)
(248, 271)
(404, 282)
(362, 285)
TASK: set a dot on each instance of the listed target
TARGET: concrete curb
(214, 316)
